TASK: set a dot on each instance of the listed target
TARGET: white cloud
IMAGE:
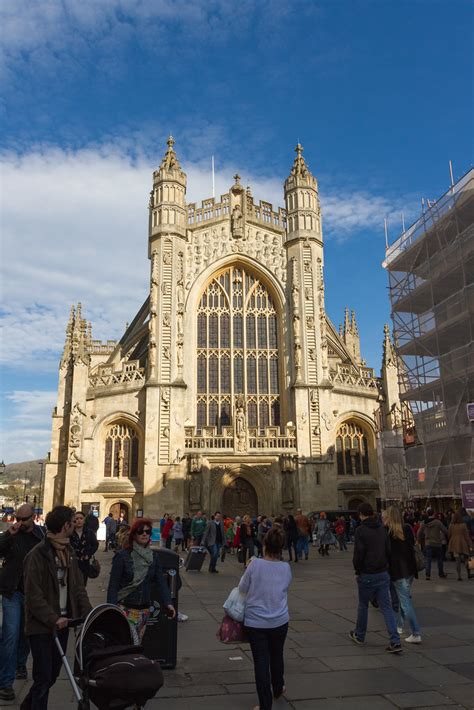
(27, 433)
(75, 229)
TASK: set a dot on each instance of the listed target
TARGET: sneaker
(21, 673)
(182, 617)
(400, 630)
(394, 648)
(353, 637)
(7, 694)
(443, 576)
(413, 638)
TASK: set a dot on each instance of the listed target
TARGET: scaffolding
(431, 283)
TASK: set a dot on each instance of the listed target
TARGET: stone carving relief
(206, 246)
(167, 258)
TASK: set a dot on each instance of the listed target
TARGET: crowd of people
(46, 569)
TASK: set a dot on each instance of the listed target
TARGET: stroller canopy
(105, 620)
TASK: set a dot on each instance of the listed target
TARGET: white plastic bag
(234, 605)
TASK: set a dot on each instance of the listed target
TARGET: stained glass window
(121, 451)
(237, 351)
(352, 453)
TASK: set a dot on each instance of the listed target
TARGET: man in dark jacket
(213, 539)
(15, 543)
(371, 556)
(54, 593)
(433, 535)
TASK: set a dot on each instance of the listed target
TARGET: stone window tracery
(121, 451)
(237, 338)
(352, 451)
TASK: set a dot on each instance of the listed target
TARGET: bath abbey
(231, 389)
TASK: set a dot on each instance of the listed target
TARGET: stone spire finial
(347, 322)
(354, 328)
(299, 166)
(388, 353)
(237, 178)
(170, 161)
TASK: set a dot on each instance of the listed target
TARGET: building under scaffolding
(431, 281)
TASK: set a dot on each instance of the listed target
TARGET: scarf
(60, 545)
(142, 559)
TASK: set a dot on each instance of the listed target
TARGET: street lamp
(41, 490)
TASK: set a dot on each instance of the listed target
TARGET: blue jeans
(14, 646)
(407, 612)
(302, 546)
(433, 553)
(375, 586)
(214, 553)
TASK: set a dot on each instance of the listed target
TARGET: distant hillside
(31, 470)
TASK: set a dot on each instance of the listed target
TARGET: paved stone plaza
(324, 669)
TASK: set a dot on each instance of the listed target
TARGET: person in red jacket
(166, 533)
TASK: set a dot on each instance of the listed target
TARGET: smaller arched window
(121, 451)
(352, 451)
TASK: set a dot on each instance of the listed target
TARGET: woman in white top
(266, 581)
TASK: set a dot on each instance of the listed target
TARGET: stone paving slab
(417, 700)
(367, 702)
(324, 669)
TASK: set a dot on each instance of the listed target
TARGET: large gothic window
(121, 451)
(237, 338)
(352, 450)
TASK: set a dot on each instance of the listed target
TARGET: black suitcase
(195, 559)
(160, 641)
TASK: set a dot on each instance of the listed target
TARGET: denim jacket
(121, 575)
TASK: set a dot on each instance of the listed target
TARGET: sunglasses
(143, 531)
(22, 520)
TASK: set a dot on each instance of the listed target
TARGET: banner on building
(467, 494)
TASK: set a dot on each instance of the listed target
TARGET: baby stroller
(109, 670)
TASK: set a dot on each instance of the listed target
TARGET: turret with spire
(302, 201)
(167, 204)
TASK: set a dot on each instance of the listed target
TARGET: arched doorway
(354, 503)
(117, 509)
(240, 498)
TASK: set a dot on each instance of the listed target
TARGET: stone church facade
(231, 389)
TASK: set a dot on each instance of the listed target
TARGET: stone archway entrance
(117, 509)
(240, 498)
(354, 503)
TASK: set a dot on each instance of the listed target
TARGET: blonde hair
(394, 522)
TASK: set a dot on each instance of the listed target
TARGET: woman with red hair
(133, 571)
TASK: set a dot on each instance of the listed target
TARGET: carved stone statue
(195, 490)
(237, 225)
(180, 323)
(180, 293)
(240, 427)
(179, 356)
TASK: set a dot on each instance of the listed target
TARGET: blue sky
(379, 93)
